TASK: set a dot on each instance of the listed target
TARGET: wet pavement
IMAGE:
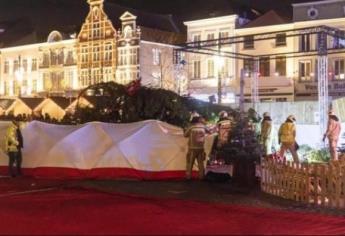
(225, 193)
(213, 192)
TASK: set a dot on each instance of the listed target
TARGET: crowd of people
(197, 131)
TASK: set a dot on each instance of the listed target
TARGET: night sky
(180, 8)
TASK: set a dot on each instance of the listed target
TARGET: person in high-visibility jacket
(196, 134)
(287, 137)
(332, 133)
(224, 126)
(12, 148)
(266, 133)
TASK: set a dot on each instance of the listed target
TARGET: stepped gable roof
(271, 17)
(32, 103)
(6, 103)
(41, 17)
(144, 19)
(62, 102)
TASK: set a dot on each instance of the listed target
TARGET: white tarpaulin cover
(146, 150)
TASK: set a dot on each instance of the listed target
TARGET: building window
(84, 55)
(96, 30)
(338, 43)
(15, 65)
(122, 57)
(280, 40)
(6, 67)
(224, 34)
(96, 52)
(108, 56)
(196, 38)
(61, 57)
(225, 69)
(196, 69)
(210, 68)
(248, 42)
(339, 69)
(34, 64)
(281, 66)
(304, 42)
(133, 56)
(70, 58)
(25, 65)
(304, 70)
(156, 56)
(264, 66)
(248, 66)
(210, 36)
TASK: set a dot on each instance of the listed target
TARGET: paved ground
(227, 193)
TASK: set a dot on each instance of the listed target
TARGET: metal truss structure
(215, 47)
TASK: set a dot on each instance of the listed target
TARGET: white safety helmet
(266, 114)
(291, 117)
(223, 114)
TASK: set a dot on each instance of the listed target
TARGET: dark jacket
(20, 138)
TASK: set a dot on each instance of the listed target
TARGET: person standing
(12, 148)
(196, 140)
(20, 146)
(224, 128)
(332, 133)
(266, 133)
(287, 137)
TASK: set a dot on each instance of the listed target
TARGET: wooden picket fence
(319, 184)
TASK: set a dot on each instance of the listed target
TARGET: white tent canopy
(145, 150)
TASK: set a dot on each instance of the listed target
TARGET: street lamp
(219, 64)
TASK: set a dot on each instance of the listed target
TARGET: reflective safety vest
(11, 141)
(266, 130)
(224, 128)
(196, 136)
(287, 132)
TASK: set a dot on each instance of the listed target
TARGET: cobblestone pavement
(225, 193)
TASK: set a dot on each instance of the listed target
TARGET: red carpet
(99, 173)
(73, 211)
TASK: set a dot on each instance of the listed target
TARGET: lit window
(264, 66)
(339, 69)
(281, 66)
(210, 68)
(34, 64)
(196, 69)
(305, 70)
(6, 67)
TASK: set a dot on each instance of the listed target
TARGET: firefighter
(12, 149)
(224, 128)
(196, 139)
(287, 137)
(266, 133)
(332, 133)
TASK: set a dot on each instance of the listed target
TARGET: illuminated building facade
(67, 63)
(281, 78)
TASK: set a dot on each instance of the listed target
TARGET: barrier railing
(319, 184)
